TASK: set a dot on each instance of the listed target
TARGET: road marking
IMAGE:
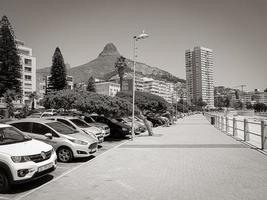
(67, 172)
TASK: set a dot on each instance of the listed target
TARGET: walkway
(190, 160)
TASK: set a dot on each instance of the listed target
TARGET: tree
(238, 105)
(91, 85)
(33, 96)
(121, 65)
(9, 97)
(58, 79)
(10, 67)
(147, 104)
(249, 105)
(265, 90)
(260, 107)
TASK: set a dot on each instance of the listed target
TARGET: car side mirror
(49, 135)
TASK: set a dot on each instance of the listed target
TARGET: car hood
(92, 129)
(81, 136)
(98, 124)
(30, 147)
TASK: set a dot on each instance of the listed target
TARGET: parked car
(138, 128)
(155, 120)
(104, 127)
(117, 129)
(22, 159)
(67, 142)
(80, 125)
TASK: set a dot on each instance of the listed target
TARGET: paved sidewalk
(189, 160)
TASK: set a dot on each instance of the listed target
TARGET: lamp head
(143, 35)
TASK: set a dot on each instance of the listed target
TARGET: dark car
(117, 129)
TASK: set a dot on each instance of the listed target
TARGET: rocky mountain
(103, 67)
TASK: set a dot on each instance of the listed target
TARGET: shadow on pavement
(86, 159)
(19, 188)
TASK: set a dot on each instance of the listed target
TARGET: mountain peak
(110, 50)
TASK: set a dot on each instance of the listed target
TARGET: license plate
(45, 167)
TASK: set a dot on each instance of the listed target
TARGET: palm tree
(121, 65)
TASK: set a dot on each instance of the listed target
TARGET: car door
(39, 130)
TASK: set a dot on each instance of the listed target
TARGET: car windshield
(89, 119)
(61, 128)
(80, 123)
(10, 135)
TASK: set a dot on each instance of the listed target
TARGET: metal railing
(240, 128)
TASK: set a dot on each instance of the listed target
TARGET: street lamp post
(143, 35)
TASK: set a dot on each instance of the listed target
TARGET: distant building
(43, 83)
(28, 62)
(199, 75)
(107, 88)
(260, 97)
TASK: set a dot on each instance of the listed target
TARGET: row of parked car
(30, 147)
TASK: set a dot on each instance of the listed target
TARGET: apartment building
(28, 63)
(160, 88)
(199, 75)
(107, 88)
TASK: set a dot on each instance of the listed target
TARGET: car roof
(39, 120)
(4, 125)
(64, 117)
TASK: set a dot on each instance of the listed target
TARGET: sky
(236, 30)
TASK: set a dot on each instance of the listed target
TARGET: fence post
(234, 127)
(226, 125)
(246, 134)
(263, 135)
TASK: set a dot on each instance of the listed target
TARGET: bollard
(234, 127)
(246, 133)
(226, 125)
(263, 135)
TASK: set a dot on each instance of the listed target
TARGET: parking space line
(67, 172)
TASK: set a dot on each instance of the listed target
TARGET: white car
(21, 158)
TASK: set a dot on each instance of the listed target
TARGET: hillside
(103, 67)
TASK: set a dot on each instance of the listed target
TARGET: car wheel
(64, 154)
(4, 183)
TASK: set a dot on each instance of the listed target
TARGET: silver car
(67, 142)
(79, 125)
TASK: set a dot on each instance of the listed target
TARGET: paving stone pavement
(190, 160)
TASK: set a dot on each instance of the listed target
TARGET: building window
(27, 69)
(28, 78)
(27, 61)
(27, 84)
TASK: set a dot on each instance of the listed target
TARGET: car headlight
(20, 159)
(90, 133)
(78, 141)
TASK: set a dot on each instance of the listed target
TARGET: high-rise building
(199, 75)
(28, 63)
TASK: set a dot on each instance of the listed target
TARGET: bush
(87, 102)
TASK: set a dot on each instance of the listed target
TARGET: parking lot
(19, 191)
